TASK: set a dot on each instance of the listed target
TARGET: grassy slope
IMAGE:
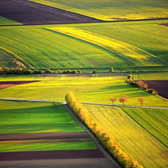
(131, 137)
(34, 117)
(62, 51)
(112, 9)
(152, 120)
(93, 89)
(5, 21)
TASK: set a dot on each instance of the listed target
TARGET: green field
(35, 117)
(145, 41)
(40, 146)
(38, 117)
(88, 89)
(5, 21)
(135, 138)
(112, 9)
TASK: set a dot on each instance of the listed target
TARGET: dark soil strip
(36, 136)
(61, 154)
(7, 84)
(161, 86)
(31, 13)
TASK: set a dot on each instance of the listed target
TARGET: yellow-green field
(88, 89)
(111, 9)
(132, 137)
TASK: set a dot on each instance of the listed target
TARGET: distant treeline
(68, 71)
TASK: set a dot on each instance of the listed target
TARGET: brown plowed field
(7, 84)
(60, 154)
(30, 13)
(36, 136)
(161, 86)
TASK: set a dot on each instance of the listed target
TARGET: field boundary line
(92, 136)
(64, 102)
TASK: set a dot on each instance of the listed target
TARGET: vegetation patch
(5, 21)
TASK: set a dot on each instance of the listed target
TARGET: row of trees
(140, 84)
(105, 139)
(123, 99)
(29, 71)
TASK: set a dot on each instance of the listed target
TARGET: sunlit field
(88, 89)
(134, 135)
(122, 45)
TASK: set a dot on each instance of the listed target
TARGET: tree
(111, 70)
(129, 78)
(113, 99)
(94, 71)
(142, 100)
(79, 71)
(140, 84)
(122, 99)
(47, 71)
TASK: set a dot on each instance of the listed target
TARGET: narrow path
(64, 102)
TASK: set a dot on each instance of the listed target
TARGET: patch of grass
(92, 89)
(5, 21)
(35, 117)
(112, 9)
(152, 120)
(47, 146)
(132, 138)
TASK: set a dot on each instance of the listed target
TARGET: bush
(94, 72)
(151, 90)
(37, 72)
(47, 71)
(74, 72)
(79, 71)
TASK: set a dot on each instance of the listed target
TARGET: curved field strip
(112, 9)
(10, 59)
(131, 54)
(132, 138)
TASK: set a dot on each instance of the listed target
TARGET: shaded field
(5, 21)
(61, 163)
(68, 154)
(35, 136)
(7, 84)
(160, 86)
(28, 13)
(131, 136)
(112, 9)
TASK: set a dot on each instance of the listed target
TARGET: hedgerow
(102, 135)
